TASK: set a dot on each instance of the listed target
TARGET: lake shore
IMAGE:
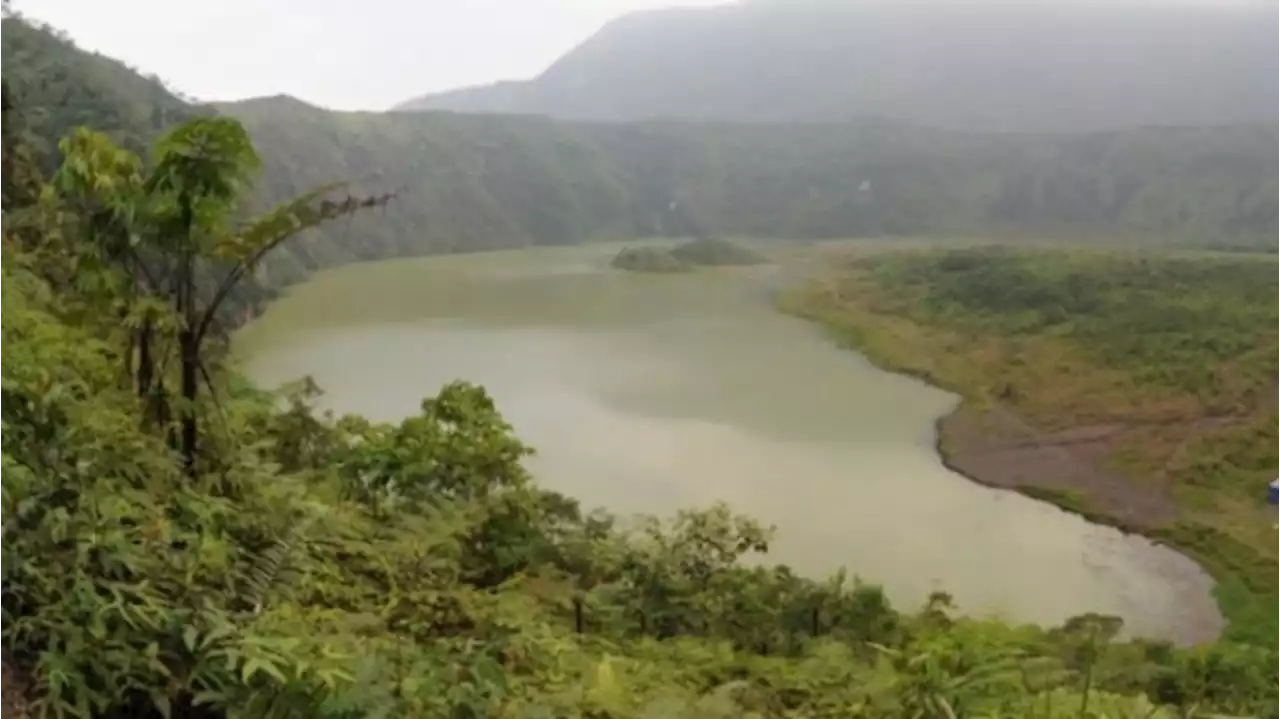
(992, 445)
(996, 449)
(654, 381)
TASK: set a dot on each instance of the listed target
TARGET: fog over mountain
(1027, 66)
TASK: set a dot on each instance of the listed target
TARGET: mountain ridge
(479, 182)
(978, 66)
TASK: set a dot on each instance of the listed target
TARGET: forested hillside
(462, 183)
(488, 181)
(58, 87)
(1037, 66)
(476, 182)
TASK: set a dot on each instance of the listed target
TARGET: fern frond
(270, 568)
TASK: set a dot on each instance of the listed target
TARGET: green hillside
(490, 181)
(478, 182)
(463, 183)
(59, 87)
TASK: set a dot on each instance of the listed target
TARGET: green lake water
(647, 393)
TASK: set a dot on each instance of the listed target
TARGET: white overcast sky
(342, 54)
(351, 54)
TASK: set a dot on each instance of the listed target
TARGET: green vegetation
(487, 182)
(1158, 372)
(648, 259)
(179, 543)
(464, 184)
(490, 182)
(294, 564)
(702, 252)
(61, 87)
(714, 252)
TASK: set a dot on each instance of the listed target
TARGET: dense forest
(509, 181)
(975, 65)
(1157, 370)
(178, 543)
(62, 87)
(476, 182)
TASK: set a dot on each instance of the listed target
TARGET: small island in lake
(706, 252)
(648, 259)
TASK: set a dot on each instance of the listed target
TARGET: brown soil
(996, 447)
(13, 692)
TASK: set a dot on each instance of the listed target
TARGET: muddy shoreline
(992, 446)
(1041, 467)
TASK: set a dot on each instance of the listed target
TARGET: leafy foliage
(294, 564)
(264, 593)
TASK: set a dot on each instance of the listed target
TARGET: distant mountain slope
(473, 182)
(1014, 66)
(488, 182)
(463, 183)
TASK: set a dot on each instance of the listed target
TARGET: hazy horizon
(392, 50)
(388, 53)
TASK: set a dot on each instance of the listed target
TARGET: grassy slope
(1157, 373)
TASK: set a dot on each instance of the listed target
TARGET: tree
(21, 178)
(167, 230)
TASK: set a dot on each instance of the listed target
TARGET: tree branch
(266, 233)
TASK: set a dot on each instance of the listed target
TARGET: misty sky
(361, 55)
